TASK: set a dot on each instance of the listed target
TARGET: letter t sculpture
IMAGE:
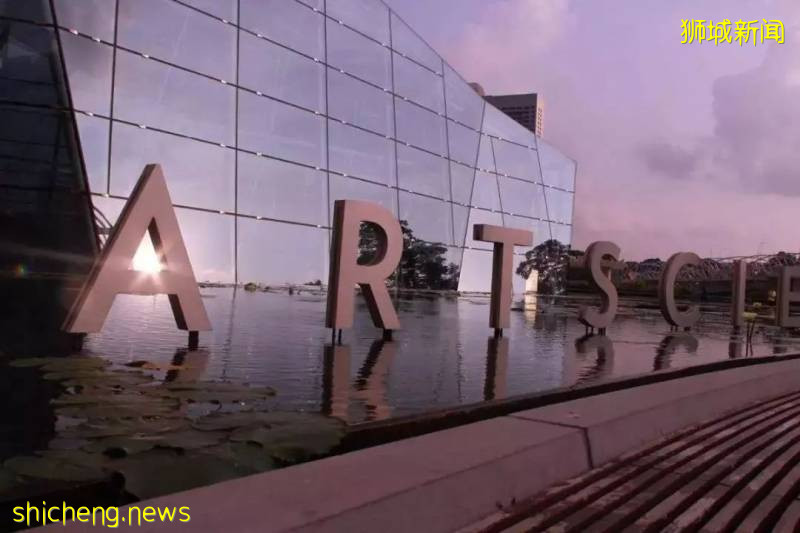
(504, 240)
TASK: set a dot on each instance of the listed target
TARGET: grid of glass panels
(263, 112)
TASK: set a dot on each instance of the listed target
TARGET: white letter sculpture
(345, 272)
(504, 240)
(666, 291)
(600, 278)
(148, 208)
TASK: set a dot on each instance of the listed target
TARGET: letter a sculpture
(148, 209)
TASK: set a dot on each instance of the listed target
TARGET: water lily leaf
(75, 364)
(108, 380)
(30, 362)
(244, 455)
(158, 472)
(67, 443)
(123, 445)
(103, 398)
(52, 468)
(129, 426)
(8, 481)
(192, 439)
(116, 410)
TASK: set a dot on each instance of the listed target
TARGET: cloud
(670, 160)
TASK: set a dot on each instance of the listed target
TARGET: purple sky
(679, 147)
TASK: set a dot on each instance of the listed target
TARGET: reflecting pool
(445, 355)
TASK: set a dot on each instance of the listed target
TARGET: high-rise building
(262, 114)
(527, 109)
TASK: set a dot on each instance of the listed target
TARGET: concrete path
(739, 472)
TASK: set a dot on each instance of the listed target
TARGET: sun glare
(146, 259)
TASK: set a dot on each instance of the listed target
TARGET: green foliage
(423, 265)
(551, 260)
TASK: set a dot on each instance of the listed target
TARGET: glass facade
(264, 112)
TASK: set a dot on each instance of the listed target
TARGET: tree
(423, 265)
(551, 260)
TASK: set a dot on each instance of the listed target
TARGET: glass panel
(558, 169)
(356, 102)
(278, 253)
(485, 155)
(476, 271)
(540, 229)
(92, 17)
(109, 207)
(485, 192)
(562, 233)
(350, 189)
(224, 9)
(462, 178)
(405, 41)
(522, 198)
(497, 123)
(274, 189)
(278, 72)
(209, 239)
(422, 173)
(361, 154)
(463, 143)
(89, 72)
(479, 216)
(174, 33)
(428, 219)
(460, 218)
(359, 56)
(314, 4)
(198, 174)
(420, 127)
(280, 130)
(418, 84)
(559, 205)
(515, 160)
(154, 94)
(286, 22)
(463, 103)
(26, 73)
(35, 10)
(370, 17)
(93, 133)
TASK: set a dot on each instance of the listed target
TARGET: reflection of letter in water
(336, 381)
(666, 291)
(787, 295)
(600, 279)
(604, 348)
(735, 345)
(504, 240)
(148, 208)
(345, 271)
(669, 345)
(496, 368)
(738, 292)
(192, 365)
(370, 387)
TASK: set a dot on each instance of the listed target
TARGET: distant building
(527, 109)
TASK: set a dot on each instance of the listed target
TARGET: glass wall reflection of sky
(262, 119)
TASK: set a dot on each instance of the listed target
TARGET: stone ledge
(620, 421)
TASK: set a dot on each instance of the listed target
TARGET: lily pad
(122, 445)
(126, 427)
(159, 472)
(68, 443)
(192, 439)
(8, 481)
(116, 410)
(75, 364)
(243, 455)
(52, 468)
(31, 362)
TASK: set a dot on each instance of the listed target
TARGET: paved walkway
(740, 472)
